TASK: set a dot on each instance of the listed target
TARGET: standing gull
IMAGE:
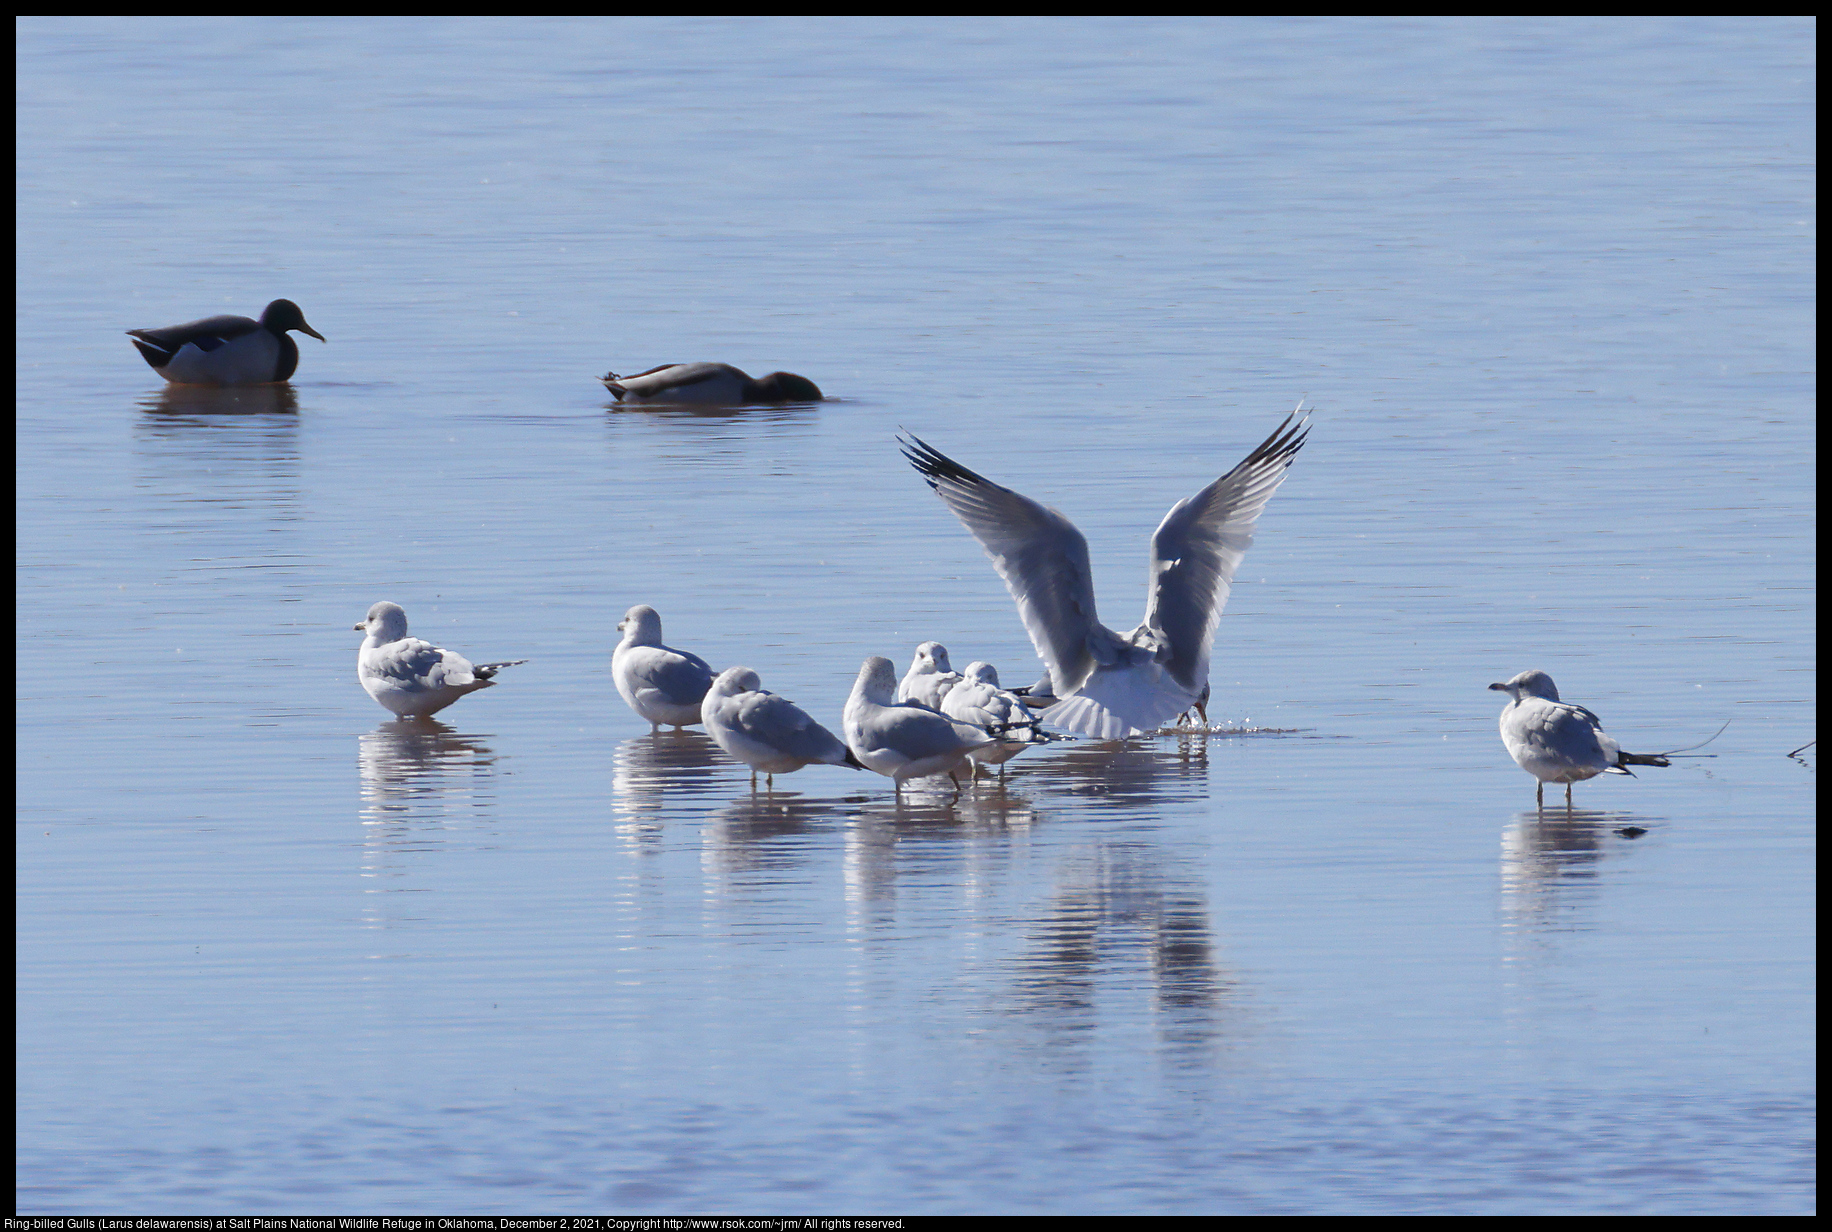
(1112, 685)
(979, 700)
(227, 350)
(412, 677)
(662, 684)
(929, 678)
(767, 732)
(903, 740)
(1557, 742)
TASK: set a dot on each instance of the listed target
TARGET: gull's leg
(1540, 795)
(1568, 797)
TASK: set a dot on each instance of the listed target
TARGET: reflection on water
(647, 770)
(1117, 925)
(759, 833)
(420, 770)
(420, 779)
(1132, 774)
(773, 414)
(1550, 862)
(183, 402)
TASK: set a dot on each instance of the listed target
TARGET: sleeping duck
(709, 385)
(227, 350)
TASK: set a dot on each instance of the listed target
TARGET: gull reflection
(422, 770)
(1131, 774)
(419, 779)
(759, 836)
(646, 770)
(1551, 860)
(1117, 925)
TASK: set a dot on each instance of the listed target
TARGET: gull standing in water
(1112, 685)
(903, 740)
(412, 677)
(767, 732)
(979, 700)
(929, 678)
(662, 684)
(1557, 742)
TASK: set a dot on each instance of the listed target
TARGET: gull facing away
(767, 732)
(1557, 742)
(978, 700)
(227, 350)
(709, 385)
(929, 678)
(903, 740)
(1111, 685)
(412, 677)
(662, 684)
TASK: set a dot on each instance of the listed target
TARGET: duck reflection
(1114, 924)
(1550, 863)
(421, 769)
(207, 449)
(177, 403)
(784, 414)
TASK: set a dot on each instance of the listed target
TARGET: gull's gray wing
(1197, 547)
(682, 677)
(420, 664)
(917, 732)
(1039, 553)
(787, 728)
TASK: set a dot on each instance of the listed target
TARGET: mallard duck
(709, 385)
(227, 350)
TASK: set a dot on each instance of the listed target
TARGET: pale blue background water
(1549, 283)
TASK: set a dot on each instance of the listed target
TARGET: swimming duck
(709, 385)
(227, 350)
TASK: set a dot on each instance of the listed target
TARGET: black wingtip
(934, 465)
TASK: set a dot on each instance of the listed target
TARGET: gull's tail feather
(1120, 702)
(1644, 759)
(483, 671)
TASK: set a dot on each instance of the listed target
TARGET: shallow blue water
(1549, 285)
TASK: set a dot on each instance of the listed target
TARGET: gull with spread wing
(1112, 685)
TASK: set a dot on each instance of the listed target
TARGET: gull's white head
(735, 680)
(983, 672)
(877, 681)
(386, 622)
(931, 656)
(1528, 684)
(641, 626)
